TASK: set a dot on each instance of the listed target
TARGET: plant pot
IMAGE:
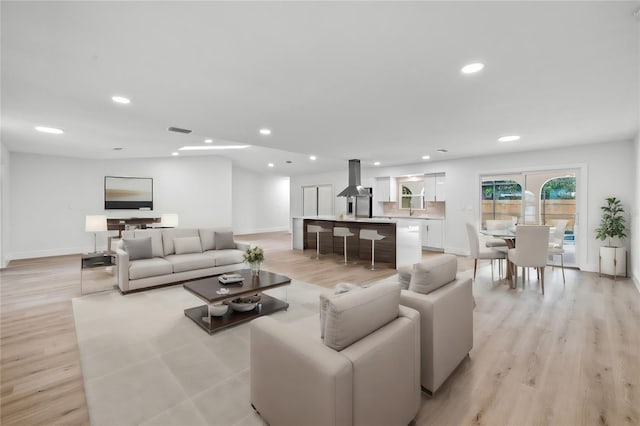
(613, 261)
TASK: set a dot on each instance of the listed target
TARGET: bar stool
(371, 234)
(340, 231)
(317, 229)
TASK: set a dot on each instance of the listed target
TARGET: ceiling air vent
(178, 130)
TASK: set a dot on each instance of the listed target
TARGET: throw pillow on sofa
(356, 314)
(138, 248)
(207, 238)
(340, 288)
(186, 245)
(224, 240)
(432, 274)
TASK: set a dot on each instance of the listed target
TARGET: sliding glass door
(501, 198)
(531, 198)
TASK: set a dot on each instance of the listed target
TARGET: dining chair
(556, 243)
(478, 252)
(532, 245)
(492, 225)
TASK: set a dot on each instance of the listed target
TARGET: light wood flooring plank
(567, 358)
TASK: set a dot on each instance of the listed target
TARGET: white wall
(635, 212)
(635, 220)
(260, 202)
(50, 196)
(338, 181)
(4, 204)
(608, 171)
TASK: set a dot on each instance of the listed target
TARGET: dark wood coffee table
(206, 289)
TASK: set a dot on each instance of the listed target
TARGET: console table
(96, 272)
(121, 224)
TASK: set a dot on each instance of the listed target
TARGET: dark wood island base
(356, 248)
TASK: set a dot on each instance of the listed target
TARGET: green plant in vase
(612, 223)
(612, 259)
(254, 256)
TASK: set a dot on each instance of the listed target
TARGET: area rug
(145, 363)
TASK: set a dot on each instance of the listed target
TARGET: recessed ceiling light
(288, 161)
(51, 130)
(265, 132)
(442, 150)
(118, 148)
(508, 138)
(377, 163)
(120, 99)
(208, 147)
(312, 157)
(271, 165)
(208, 141)
(426, 157)
(472, 68)
(175, 153)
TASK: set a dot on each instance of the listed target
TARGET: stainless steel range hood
(354, 189)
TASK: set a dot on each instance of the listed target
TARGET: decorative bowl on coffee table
(245, 304)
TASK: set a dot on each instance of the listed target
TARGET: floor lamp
(95, 224)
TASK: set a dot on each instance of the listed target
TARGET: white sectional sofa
(174, 255)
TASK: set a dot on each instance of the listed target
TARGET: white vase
(613, 261)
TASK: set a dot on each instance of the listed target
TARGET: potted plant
(254, 256)
(613, 259)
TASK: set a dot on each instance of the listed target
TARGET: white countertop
(386, 219)
(412, 217)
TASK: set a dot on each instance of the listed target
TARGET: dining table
(509, 237)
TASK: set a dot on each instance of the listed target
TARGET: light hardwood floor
(567, 358)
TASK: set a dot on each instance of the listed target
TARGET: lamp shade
(169, 220)
(95, 223)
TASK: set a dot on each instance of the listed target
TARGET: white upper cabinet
(440, 187)
(385, 189)
(429, 187)
(434, 187)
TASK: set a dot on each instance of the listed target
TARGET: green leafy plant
(253, 255)
(612, 223)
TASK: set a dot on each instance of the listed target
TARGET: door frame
(582, 184)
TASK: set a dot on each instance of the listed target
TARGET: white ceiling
(369, 80)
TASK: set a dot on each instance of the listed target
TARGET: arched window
(558, 201)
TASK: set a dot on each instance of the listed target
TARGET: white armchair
(365, 372)
(446, 317)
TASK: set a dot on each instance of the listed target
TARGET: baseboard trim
(52, 252)
(456, 251)
(260, 230)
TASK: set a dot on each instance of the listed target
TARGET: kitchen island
(401, 245)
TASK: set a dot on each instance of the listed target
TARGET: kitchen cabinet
(433, 234)
(385, 189)
(434, 187)
(440, 187)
